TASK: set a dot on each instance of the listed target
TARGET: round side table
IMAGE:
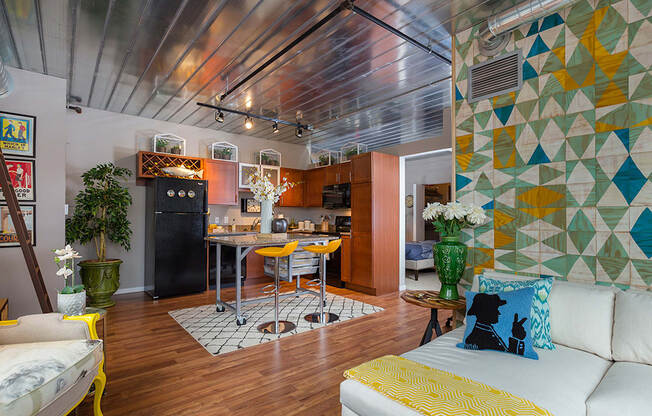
(430, 299)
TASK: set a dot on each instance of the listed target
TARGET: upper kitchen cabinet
(315, 181)
(361, 167)
(222, 177)
(337, 174)
(293, 197)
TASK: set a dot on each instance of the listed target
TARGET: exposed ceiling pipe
(5, 81)
(528, 11)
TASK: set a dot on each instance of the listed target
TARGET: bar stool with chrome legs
(331, 247)
(276, 326)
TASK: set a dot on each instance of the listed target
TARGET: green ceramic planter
(101, 279)
(450, 260)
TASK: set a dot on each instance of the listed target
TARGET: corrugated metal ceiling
(350, 79)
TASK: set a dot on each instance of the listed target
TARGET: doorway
(426, 178)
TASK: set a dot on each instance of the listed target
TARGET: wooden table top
(256, 240)
(430, 299)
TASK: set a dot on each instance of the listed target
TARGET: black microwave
(336, 196)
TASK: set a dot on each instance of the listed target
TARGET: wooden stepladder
(23, 237)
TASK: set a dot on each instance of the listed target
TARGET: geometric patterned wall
(564, 165)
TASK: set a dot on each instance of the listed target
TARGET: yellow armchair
(54, 332)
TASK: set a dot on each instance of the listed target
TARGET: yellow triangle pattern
(501, 239)
(611, 95)
(463, 160)
(464, 142)
(540, 196)
(430, 391)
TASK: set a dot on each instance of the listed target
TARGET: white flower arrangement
(264, 189)
(65, 260)
(449, 219)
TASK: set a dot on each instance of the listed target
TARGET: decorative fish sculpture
(183, 172)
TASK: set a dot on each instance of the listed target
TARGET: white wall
(97, 136)
(427, 170)
(43, 97)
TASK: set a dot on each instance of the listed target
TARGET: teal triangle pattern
(551, 21)
(528, 71)
(623, 135)
(538, 47)
(503, 113)
(539, 156)
(534, 29)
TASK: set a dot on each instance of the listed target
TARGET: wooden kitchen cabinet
(375, 223)
(293, 197)
(361, 167)
(345, 258)
(344, 172)
(331, 174)
(315, 181)
(222, 177)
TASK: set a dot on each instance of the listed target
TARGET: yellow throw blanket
(439, 393)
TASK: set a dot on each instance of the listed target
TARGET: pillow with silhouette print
(540, 313)
(499, 321)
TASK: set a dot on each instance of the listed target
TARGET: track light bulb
(298, 132)
(248, 123)
(275, 127)
(219, 116)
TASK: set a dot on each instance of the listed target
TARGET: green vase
(101, 279)
(450, 260)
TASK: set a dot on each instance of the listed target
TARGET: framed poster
(22, 175)
(17, 133)
(8, 236)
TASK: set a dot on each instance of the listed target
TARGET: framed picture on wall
(17, 134)
(246, 170)
(23, 176)
(8, 236)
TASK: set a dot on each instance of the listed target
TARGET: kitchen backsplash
(298, 213)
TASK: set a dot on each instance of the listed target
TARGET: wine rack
(151, 163)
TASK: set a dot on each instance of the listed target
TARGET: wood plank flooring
(156, 368)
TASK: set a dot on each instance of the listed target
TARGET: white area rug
(219, 334)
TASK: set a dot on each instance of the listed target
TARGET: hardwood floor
(156, 368)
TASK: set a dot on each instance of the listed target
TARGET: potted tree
(100, 214)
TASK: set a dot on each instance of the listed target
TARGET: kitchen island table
(243, 245)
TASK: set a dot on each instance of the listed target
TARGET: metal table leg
(433, 324)
(219, 306)
(239, 319)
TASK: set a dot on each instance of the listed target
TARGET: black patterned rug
(218, 332)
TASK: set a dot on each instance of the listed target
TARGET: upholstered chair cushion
(35, 374)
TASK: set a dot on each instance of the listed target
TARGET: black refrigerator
(175, 251)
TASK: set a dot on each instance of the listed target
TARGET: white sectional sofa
(602, 364)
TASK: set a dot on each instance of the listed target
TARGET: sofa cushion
(540, 313)
(581, 316)
(502, 276)
(632, 332)
(33, 375)
(500, 321)
(560, 381)
(624, 391)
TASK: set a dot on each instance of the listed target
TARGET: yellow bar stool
(322, 250)
(276, 326)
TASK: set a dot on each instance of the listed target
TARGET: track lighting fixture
(219, 116)
(298, 132)
(275, 127)
(248, 123)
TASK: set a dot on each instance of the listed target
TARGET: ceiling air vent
(496, 76)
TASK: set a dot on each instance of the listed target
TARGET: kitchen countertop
(251, 240)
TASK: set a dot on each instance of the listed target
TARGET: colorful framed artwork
(246, 170)
(17, 133)
(8, 235)
(23, 177)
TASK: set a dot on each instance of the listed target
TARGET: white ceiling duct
(5, 81)
(494, 33)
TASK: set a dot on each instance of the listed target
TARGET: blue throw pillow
(499, 321)
(540, 308)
